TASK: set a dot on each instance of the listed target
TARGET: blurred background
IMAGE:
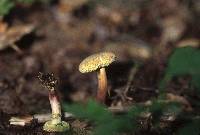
(54, 36)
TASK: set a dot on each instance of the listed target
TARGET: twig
(21, 121)
(45, 117)
(16, 48)
(130, 80)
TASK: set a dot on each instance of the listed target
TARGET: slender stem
(102, 85)
(130, 80)
(55, 106)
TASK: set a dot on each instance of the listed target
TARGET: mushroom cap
(96, 61)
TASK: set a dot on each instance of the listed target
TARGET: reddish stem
(102, 85)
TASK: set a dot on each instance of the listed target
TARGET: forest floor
(63, 37)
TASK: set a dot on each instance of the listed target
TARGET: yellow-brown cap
(96, 61)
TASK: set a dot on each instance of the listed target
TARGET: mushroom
(55, 124)
(98, 62)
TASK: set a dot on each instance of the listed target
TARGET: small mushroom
(98, 62)
(55, 124)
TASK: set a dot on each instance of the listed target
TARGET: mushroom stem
(55, 107)
(102, 85)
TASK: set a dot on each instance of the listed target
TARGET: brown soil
(59, 44)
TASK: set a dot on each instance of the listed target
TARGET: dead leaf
(135, 50)
(13, 34)
(173, 28)
(189, 42)
(180, 99)
(68, 5)
(3, 27)
(112, 17)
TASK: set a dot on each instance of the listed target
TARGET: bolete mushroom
(98, 62)
(55, 124)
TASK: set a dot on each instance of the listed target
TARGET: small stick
(130, 80)
(16, 48)
(21, 120)
(45, 117)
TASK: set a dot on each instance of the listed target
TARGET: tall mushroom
(98, 62)
(55, 124)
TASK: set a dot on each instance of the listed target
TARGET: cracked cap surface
(96, 61)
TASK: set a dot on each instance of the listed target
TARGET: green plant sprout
(106, 123)
(55, 124)
(98, 62)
